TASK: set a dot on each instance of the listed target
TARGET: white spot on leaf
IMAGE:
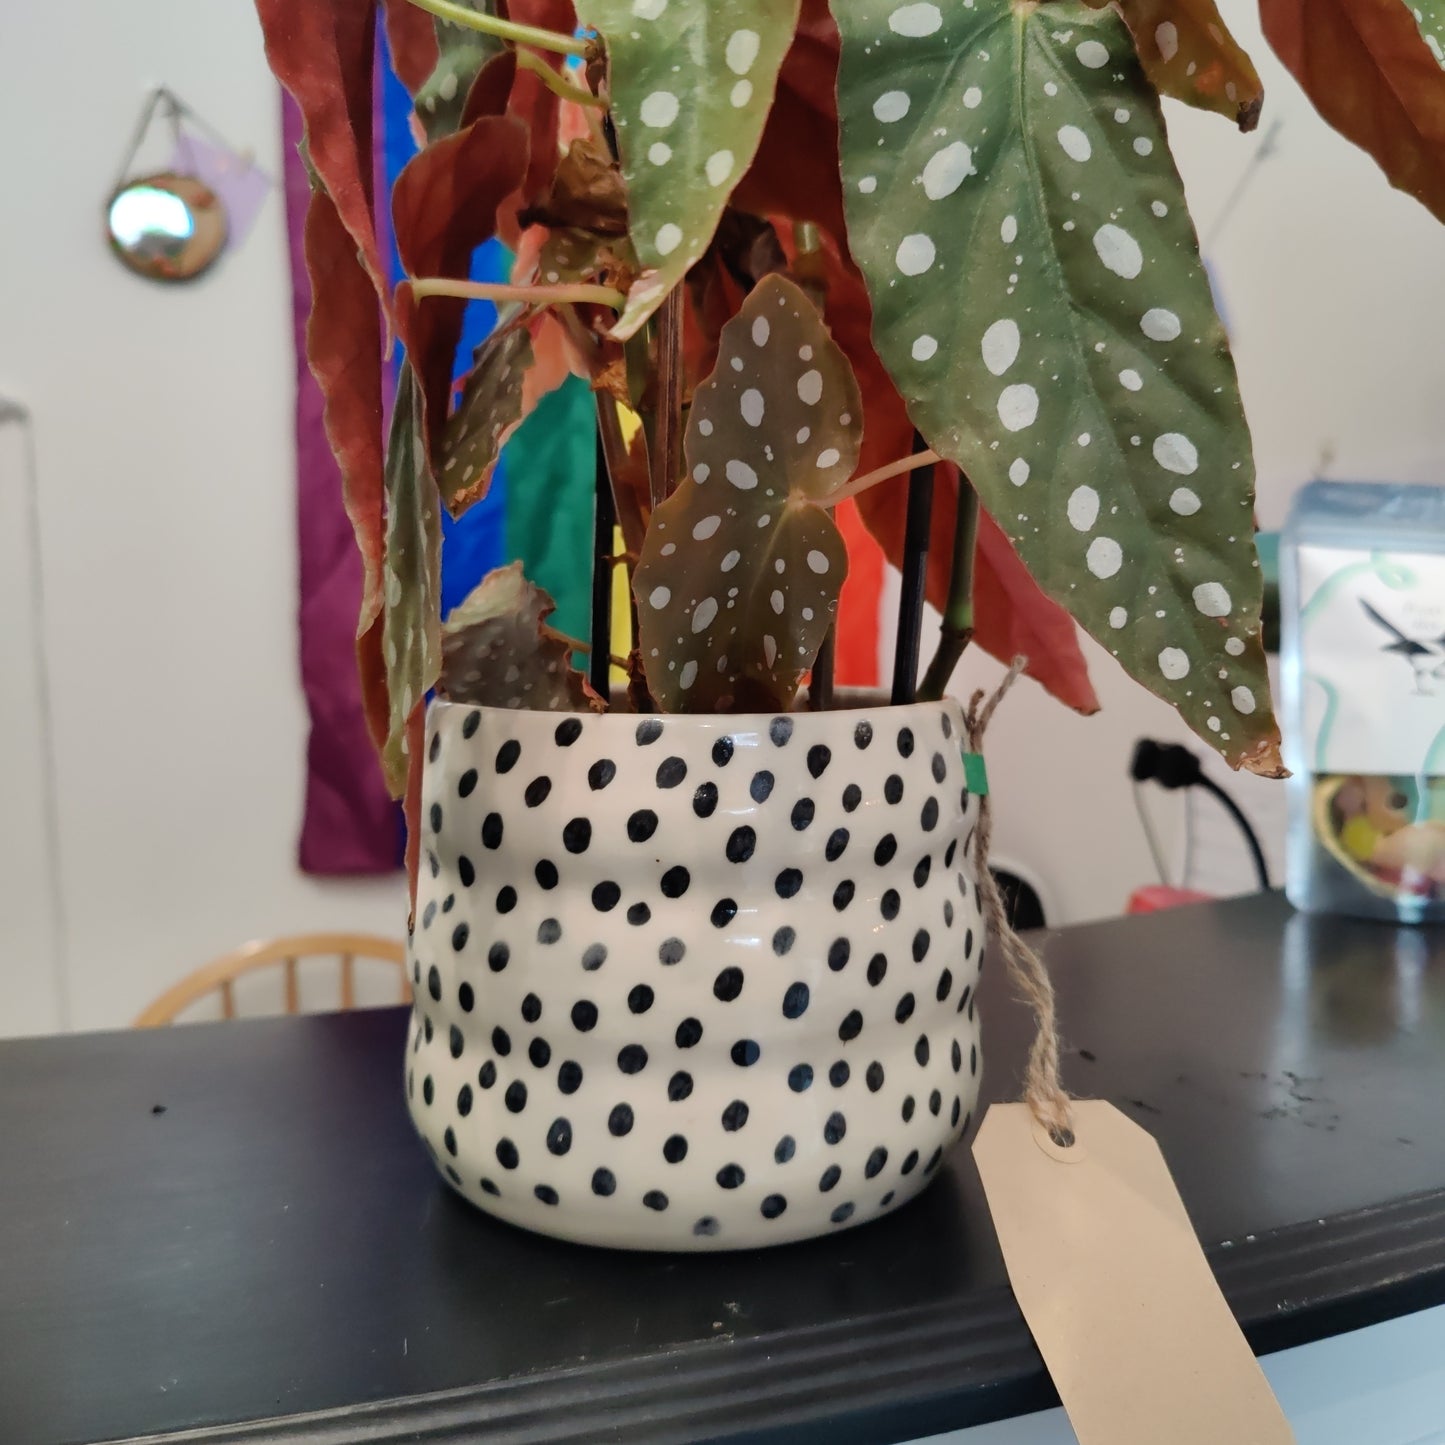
(890, 106)
(828, 457)
(1159, 324)
(1075, 143)
(1117, 617)
(659, 597)
(688, 675)
(915, 20)
(1176, 453)
(1083, 508)
(751, 406)
(719, 167)
(669, 238)
(945, 170)
(1243, 699)
(810, 387)
(703, 614)
(1212, 599)
(924, 348)
(741, 475)
(915, 254)
(1119, 251)
(1130, 379)
(1173, 663)
(761, 331)
(1000, 346)
(1166, 36)
(1018, 405)
(742, 50)
(658, 109)
(818, 561)
(705, 528)
(1183, 502)
(1092, 54)
(1104, 557)
(1018, 471)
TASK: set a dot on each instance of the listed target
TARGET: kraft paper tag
(1110, 1276)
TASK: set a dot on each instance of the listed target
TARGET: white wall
(163, 423)
(163, 431)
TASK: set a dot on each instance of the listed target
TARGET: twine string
(1043, 1092)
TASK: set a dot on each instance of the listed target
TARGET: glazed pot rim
(862, 702)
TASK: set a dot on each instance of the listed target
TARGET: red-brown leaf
(1370, 74)
(537, 108)
(803, 121)
(411, 38)
(491, 89)
(343, 345)
(1187, 52)
(323, 52)
(444, 205)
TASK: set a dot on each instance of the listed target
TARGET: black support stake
(604, 524)
(915, 576)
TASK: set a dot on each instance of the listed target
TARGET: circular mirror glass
(168, 227)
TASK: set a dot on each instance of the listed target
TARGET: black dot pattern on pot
(687, 987)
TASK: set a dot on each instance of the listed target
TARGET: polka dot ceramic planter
(694, 982)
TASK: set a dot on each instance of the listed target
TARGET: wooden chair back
(220, 975)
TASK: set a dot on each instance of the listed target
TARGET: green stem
(495, 291)
(957, 631)
(881, 474)
(555, 83)
(503, 29)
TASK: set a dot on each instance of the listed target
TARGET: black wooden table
(230, 1230)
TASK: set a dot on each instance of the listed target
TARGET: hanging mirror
(167, 227)
(172, 214)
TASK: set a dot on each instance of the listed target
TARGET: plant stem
(497, 291)
(556, 83)
(957, 631)
(881, 474)
(470, 19)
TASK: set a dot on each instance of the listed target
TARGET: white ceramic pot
(694, 982)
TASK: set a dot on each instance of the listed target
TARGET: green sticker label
(975, 775)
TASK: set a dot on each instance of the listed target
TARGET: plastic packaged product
(1362, 601)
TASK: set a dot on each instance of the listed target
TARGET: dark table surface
(208, 1227)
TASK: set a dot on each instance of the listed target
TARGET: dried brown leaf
(498, 652)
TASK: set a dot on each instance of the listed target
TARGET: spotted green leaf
(489, 411)
(498, 652)
(1430, 21)
(740, 573)
(410, 641)
(691, 83)
(1038, 297)
(462, 52)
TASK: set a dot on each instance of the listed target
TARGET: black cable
(1173, 766)
(1233, 808)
